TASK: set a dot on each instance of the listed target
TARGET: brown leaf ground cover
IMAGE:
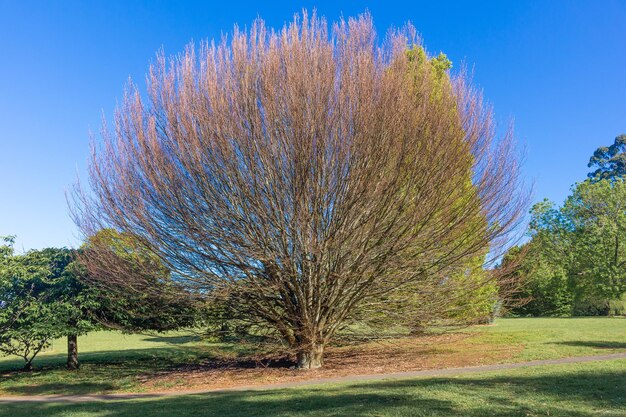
(388, 356)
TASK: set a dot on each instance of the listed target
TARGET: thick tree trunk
(310, 358)
(72, 352)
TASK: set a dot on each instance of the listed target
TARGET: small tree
(72, 298)
(136, 291)
(27, 319)
(306, 175)
(46, 294)
(30, 333)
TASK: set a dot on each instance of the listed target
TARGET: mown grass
(572, 390)
(110, 362)
(550, 338)
(114, 362)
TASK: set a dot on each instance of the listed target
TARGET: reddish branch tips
(305, 174)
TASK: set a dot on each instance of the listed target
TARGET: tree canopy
(46, 294)
(609, 161)
(137, 290)
(34, 308)
(575, 260)
(305, 174)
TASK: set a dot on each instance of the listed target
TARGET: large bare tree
(304, 173)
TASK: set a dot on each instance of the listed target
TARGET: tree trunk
(72, 352)
(311, 357)
(28, 366)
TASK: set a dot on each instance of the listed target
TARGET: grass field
(110, 361)
(549, 338)
(575, 390)
(113, 362)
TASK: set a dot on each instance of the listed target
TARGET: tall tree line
(575, 262)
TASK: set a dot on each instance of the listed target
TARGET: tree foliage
(465, 294)
(609, 161)
(576, 258)
(597, 212)
(46, 294)
(546, 289)
(137, 290)
(30, 314)
(305, 175)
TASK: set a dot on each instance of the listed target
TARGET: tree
(29, 321)
(597, 211)
(136, 291)
(574, 263)
(469, 294)
(303, 174)
(546, 287)
(545, 267)
(46, 294)
(42, 289)
(465, 295)
(6, 251)
(609, 162)
(73, 300)
(576, 258)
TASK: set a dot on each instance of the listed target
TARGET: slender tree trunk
(28, 366)
(311, 357)
(72, 352)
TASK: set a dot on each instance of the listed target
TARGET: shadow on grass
(226, 405)
(174, 340)
(77, 388)
(108, 371)
(555, 394)
(166, 354)
(594, 344)
(100, 372)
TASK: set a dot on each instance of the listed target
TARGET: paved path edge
(349, 378)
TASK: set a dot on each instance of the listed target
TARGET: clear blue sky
(558, 68)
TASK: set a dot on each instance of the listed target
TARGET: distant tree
(543, 269)
(609, 162)
(597, 212)
(545, 290)
(6, 251)
(576, 260)
(305, 174)
(137, 292)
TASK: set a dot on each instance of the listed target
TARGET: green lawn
(549, 338)
(113, 362)
(591, 389)
(110, 361)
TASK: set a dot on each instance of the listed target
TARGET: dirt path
(351, 378)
